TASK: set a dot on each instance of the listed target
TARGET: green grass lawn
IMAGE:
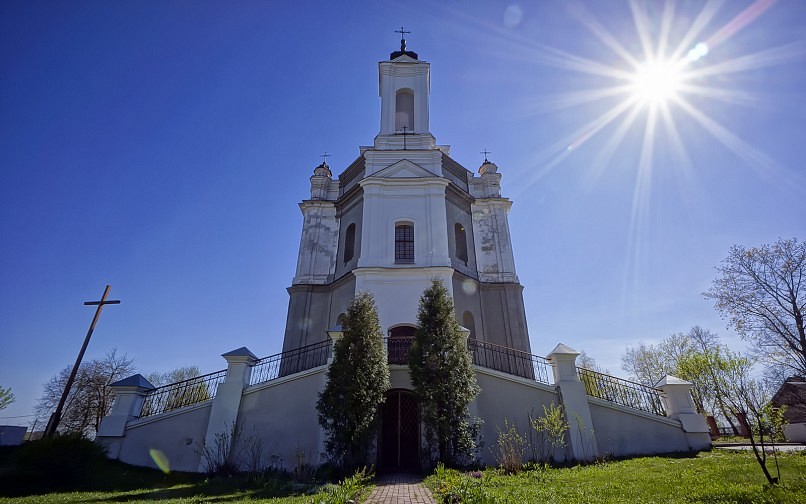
(717, 476)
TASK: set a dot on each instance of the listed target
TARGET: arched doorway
(399, 440)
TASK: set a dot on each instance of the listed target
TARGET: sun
(655, 83)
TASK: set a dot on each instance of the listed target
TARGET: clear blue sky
(162, 147)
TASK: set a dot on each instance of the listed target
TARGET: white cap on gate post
(563, 360)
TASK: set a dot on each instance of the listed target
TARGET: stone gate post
(129, 394)
(227, 401)
(574, 401)
(679, 406)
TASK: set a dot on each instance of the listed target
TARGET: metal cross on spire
(402, 33)
(404, 133)
(485, 152)
(324, 157)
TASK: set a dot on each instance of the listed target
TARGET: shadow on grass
(114, 481)
(210, 493)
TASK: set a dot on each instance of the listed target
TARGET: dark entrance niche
(399, 443)
(398, 344)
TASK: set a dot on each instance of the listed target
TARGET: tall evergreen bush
(442, 377)
(356, 382)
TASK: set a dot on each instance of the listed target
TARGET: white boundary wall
(282, 415)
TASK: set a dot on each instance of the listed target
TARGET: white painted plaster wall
(622, 431)
(178, 434)
(283, 413)
(505, 397)
(397, 290)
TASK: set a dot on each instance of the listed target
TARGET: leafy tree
(695, 356)
(586, 361)
(90, 398)
(173, 376)
(442, 376)
(184, 392)
(356, 382)
(6, 397)
(762, 293)
(748, 398)
(647, 364)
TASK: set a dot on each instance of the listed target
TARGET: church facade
(403, 213)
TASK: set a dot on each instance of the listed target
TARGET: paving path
(400, 489)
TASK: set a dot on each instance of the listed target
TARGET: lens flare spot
(513, 15)
(697, 52)
(160, 459)
(469, 287)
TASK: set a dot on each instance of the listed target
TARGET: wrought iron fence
(293, 361)
(511, 361)
(397, 350)
(180, 394)
(620, 391)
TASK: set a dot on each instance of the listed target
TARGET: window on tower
(404, 243)
(349, 243)
(469, 323)
(404, 111)
(460, 236)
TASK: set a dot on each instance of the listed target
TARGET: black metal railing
(181, 394)
(620, 391)
(290, 362)
(511, 361)
(397, 350)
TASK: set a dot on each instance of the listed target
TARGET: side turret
(322, 185)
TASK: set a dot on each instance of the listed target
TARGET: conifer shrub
(443, 379)
(357, 380)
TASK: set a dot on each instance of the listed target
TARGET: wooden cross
(56, 417)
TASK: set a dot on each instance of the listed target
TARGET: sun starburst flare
(683, 69)
(656, 86)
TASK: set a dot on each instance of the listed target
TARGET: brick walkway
(400, 489)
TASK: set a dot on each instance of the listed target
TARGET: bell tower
(404, 88)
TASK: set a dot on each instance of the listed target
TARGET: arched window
(469, 323)
(340, 319)
(349, 242)
(461, 242)
(404, 243)
(404, 110)
(399, 343)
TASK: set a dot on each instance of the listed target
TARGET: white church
(404, 212)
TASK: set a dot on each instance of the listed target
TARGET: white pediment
(405, 58)
(403, 169)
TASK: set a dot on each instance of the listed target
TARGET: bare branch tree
(762, 293)
(90, 399)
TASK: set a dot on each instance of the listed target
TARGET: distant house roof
(792, 394)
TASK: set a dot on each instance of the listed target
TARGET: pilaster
(316, 262)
